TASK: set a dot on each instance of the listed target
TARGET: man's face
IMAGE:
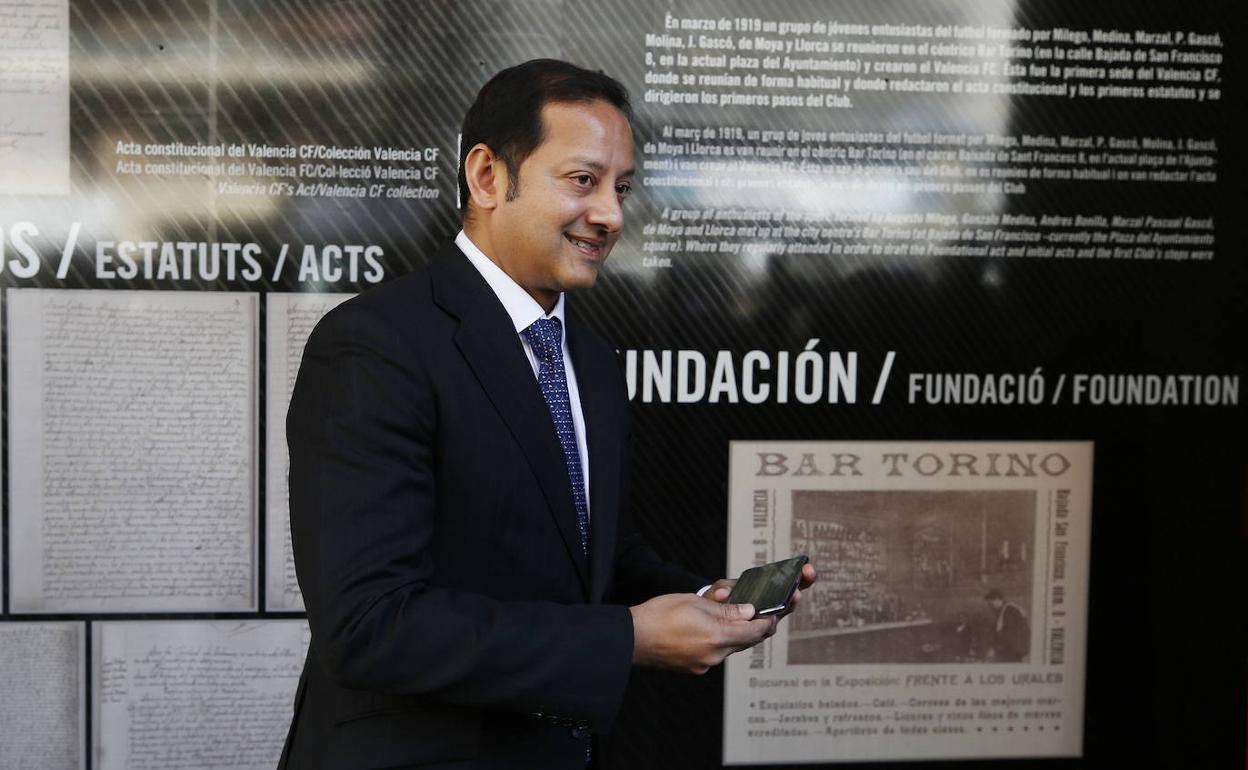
(556, 233)
(996, 604)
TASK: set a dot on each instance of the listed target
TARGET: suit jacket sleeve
(362, 431)
(640, 573)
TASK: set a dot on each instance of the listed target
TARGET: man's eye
(583, 180)
(623, 190)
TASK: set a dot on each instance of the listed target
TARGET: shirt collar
(518, 303)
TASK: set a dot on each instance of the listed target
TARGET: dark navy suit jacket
(436, 544)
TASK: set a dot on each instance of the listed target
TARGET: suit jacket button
(580, 733)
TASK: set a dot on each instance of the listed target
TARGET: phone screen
(768, 587)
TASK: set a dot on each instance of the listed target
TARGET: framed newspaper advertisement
(949, 618)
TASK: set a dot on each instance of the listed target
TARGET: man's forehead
(581, 132)
(586, 104)
(581, 114)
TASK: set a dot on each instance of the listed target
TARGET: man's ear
(486, 175)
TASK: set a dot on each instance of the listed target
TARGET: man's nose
(606, 210)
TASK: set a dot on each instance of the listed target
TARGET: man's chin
(583, 280)
(585, 274)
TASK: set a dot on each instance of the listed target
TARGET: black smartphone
(769, 587)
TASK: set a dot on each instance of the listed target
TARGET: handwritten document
(290, 321)
(132, 460)
(185, 695)
(43, 708)
(34, 97)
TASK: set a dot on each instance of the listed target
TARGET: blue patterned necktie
(545, 336)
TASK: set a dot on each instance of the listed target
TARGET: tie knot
(545, 336)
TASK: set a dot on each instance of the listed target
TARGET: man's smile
(592, 247)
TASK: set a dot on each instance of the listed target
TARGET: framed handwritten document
(134, 488)
(34, 97)
(183, 695)
(42, 713)
(290, 320)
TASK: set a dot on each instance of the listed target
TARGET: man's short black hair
(507, 113)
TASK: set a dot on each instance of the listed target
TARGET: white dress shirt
(524, 310)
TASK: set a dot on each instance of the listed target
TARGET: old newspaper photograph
(949, 618)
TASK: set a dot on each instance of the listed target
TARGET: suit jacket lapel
(488, 342)
(600, 407)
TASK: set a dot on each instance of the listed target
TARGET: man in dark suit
(1011, 636)
(475, 591)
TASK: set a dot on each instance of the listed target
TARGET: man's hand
(690, 633)
(721, 588)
